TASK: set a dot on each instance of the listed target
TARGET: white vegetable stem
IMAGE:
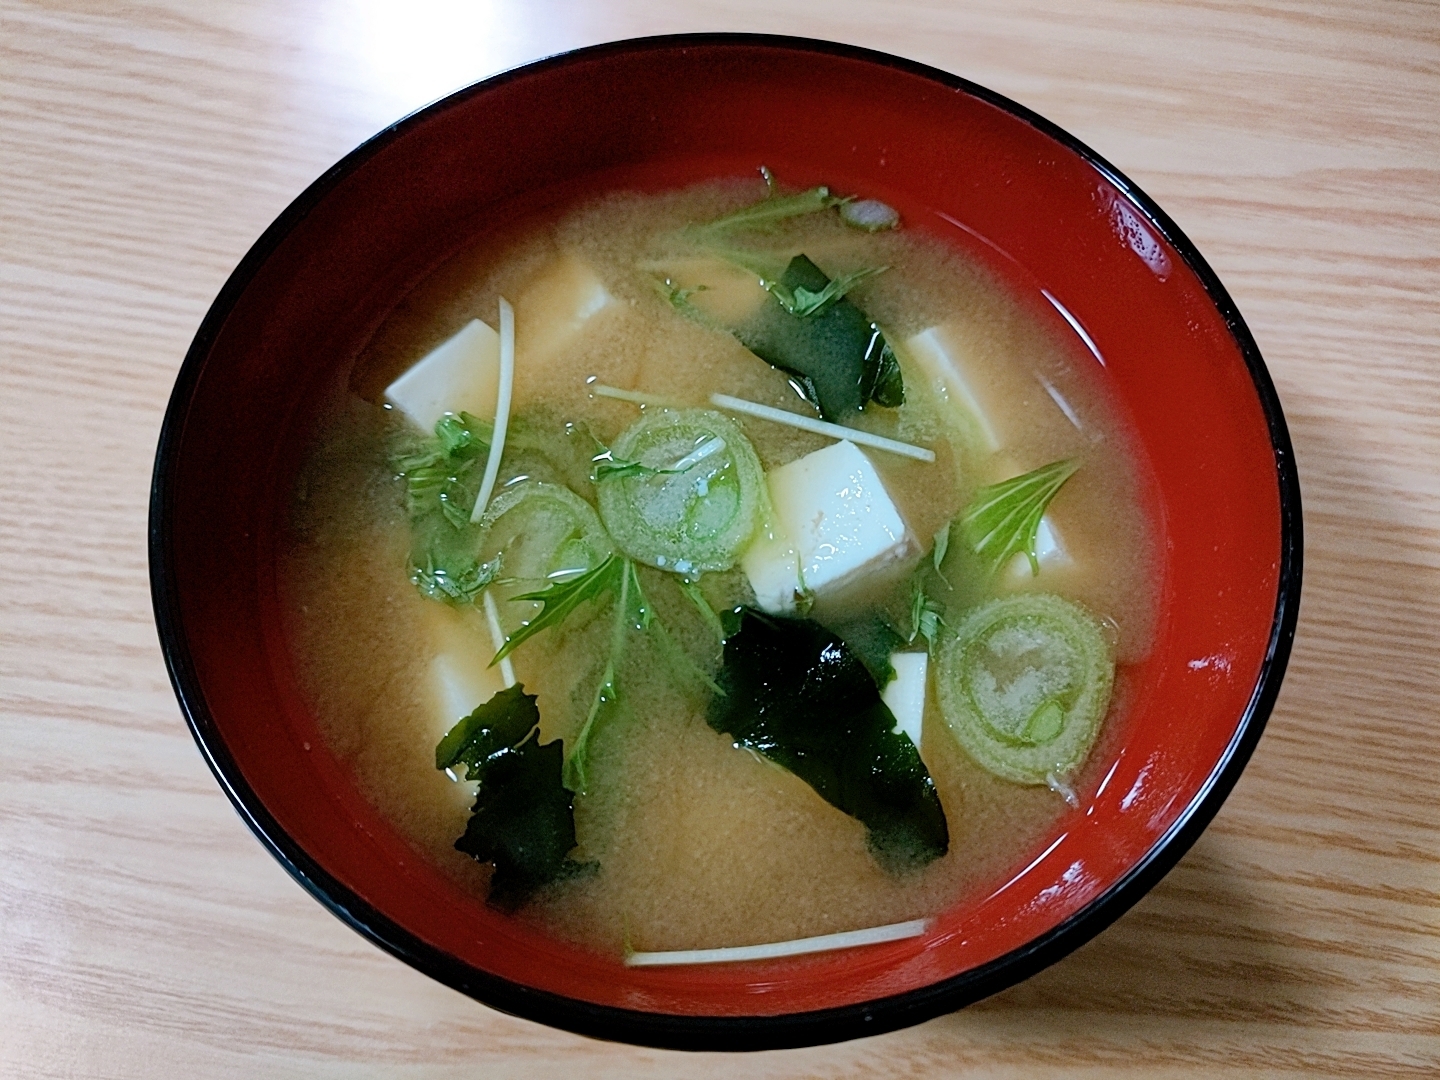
(850, 939)
(710, 446)
(820, 427)
(635, 397)
(497, 638)
(502, 408)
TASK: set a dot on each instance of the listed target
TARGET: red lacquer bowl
(956, 160)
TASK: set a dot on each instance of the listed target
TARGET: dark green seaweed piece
(795, 693)
(523, 820)
(872, 638)
(839, 358)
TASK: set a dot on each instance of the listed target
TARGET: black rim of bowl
(725, 1032)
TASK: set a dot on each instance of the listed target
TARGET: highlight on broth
(705, 536)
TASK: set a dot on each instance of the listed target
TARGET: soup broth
(687, 837)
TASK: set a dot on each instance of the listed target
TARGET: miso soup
(720, 567)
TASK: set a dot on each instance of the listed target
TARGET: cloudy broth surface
(688, 841)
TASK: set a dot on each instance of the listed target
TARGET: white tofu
(905, 694)
(459, 679)
(1050, 551)
(554, 308)
(833, 520)
(943, 363)
(461, 374)
(773, 566)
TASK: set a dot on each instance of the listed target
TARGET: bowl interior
(659, 115)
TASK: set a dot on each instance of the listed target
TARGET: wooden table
(144, 933)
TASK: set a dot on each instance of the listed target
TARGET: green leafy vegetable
(942, 545)
(839, 358)
(560, 598)
(463, 436)
(576, 775)
(523, 820)
(804, 303)
(632, 612)
(616, 578)
(680, 662)
(442, 475)
(1024, 683)
(773, 209)
(1003, 519)
(607, 466)
(612, 468)
(707, 613)
(925, 616)
(795, 693)
(678, 297)
(464, 587)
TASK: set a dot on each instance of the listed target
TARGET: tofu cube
(461, 374)
(554, 308)
(832, 520)
(905, 694)
(773, 566)
(943, 363)
(459, 679)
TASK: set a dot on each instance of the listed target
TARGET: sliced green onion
(1024, 683)
(541, 533)
(502, 409)
(820, 427)
(694, 506)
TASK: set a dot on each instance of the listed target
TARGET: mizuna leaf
(773, 209)
(561, 598)
(1004, 519)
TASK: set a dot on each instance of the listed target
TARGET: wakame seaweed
(796, 693)
(872, 638)
(523, 820)
(839, 358)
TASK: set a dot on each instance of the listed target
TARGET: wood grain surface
(144, 933)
